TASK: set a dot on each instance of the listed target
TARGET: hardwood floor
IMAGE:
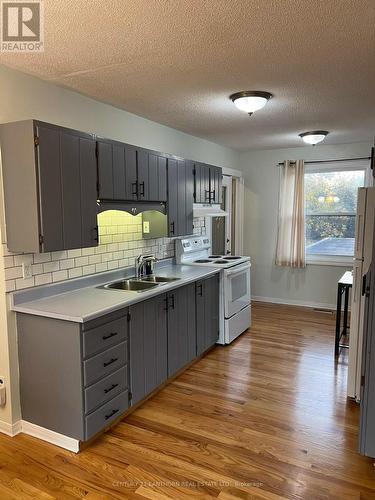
(265, 418)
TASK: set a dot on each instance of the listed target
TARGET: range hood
(202, 210)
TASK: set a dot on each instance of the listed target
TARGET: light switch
(146, 226)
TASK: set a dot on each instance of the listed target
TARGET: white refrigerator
(361, 264)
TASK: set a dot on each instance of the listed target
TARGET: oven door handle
(238, 270)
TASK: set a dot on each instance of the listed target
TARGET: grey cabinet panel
(202, 183)
(88, 184)
(172, 197)
(118, 168)
(106, 389)
(148, 346)
(157, 175)
(50, 193)
(181, 198)
(106, 414)
(216, 179)
(131, 183)
(50, 373)
(71, 191)
(105, 170)
(143, 176)
(207, 303)
(189, 200)
(181, 328)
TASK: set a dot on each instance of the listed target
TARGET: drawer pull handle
(113, 412)
(113, 360)
(113, 334)
(113, 386)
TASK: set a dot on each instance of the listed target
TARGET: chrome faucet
(144, 265)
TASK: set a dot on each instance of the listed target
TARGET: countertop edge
(27, 308)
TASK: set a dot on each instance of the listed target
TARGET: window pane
(331, 204)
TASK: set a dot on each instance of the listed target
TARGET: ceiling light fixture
(314, 136)
(250, 100)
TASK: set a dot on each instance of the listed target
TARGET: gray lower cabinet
(181, 328)
(50, 187)
(148, 346)
(74, 379)
(207, 313)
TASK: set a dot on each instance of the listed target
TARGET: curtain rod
(330, 161)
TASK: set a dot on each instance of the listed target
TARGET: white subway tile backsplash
(120, 242)
(67, 264)
(50, 267)
(59, 275)
(43, 279)
(39, 258)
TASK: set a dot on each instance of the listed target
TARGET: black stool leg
(346, 309)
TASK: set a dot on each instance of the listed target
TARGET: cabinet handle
(113, 360)
(171, 300)
(166, 304)
(200, 289)
(134, 188)
(213, 195)
(96, 235)
(113, 412)
(142, 189)
(113, 386)
(171, 228)
(112, 334)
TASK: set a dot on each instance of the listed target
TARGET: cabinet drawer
(104, 336)
(106, 414)
(105, 363)
(106, 389)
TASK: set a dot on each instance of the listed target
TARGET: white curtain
(290, 250)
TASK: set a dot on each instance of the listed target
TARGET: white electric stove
(235, 299)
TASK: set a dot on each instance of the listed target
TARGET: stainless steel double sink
(139, 284)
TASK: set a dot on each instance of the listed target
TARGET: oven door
(236, 289)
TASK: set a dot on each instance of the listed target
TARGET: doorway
(222, 236)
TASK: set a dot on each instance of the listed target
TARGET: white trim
(10, 429)
(291, 302)
(232, 172)
(52, 437)
(329, 260)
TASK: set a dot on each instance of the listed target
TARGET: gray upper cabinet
(128, 173)
(208, 183)
(207, 313)
(50, 179)
(152, 176)
(180, 197)
(117, 171)
(148, 346)
(181, 328)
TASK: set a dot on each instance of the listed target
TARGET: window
(330, 211)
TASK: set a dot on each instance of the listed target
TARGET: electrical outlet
(27, 271)
(146, 226)
(2, 392)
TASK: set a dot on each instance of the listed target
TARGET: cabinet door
(172, 205)
(131, 183)
(181, 328)
(152, 171)
(202, 183)
(216, 181)
(105, 170)
(148, 346)
(207, 305)
(189, 200)
(67, 188)
(181, 198)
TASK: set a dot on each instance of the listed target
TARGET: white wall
(313, 285)
(25, 97)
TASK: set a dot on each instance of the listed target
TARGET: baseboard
(290, 302)
(50, 436)
(11, 429)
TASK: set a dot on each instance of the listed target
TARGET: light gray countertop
(88, 301)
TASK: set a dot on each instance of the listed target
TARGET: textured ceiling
(177, 61)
